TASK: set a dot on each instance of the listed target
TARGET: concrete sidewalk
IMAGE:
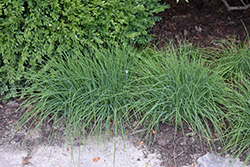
(93, 155)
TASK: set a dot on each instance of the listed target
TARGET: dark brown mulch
(201, 21)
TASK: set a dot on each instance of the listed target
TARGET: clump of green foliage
(182, 90)
(108, 88)
(232, 60)
(34, 30)
(237, 136)
(90, 92)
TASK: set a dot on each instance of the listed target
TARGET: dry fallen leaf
(1, 106)
(10, 122)
(140, 143)
(96, 159)
(25, 160)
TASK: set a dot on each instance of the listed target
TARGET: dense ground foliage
(107, 88)
(94, 85)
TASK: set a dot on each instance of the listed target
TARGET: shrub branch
(244, 7)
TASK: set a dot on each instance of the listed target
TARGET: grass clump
(232, 60)
(93, 90)
(103, 89)
(238, 135)
(181, 89)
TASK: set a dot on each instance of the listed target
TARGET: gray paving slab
(212, 160)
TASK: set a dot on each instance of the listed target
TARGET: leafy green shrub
(32, 30)
(94, 90)
(181, 89)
